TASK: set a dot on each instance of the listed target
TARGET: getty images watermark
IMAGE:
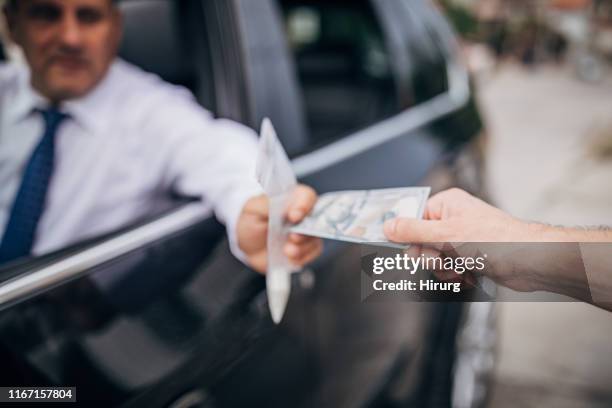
(412, 264)
(421, 274)
(463, 271)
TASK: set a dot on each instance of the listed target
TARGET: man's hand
(456, 216)
(252, 230)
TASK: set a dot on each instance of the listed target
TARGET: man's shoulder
(9, 68)
(149, 96)
(10, 72)
(132, 80)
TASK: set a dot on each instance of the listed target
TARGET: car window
(134, 318)
(342, 64)
(169, 39)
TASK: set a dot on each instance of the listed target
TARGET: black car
(363, 94)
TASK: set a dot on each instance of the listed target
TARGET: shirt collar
(93, 110)
(88, 111)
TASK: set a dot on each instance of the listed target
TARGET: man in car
(90, 143)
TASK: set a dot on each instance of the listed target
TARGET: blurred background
(543, 72)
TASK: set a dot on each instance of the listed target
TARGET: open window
(343, 65)
(169, 38)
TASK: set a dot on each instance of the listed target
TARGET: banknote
(359, 216)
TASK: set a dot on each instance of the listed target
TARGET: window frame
(315, 160)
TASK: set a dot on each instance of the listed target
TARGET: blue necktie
(29, 203)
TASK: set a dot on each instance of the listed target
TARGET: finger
(447, 276)
(435, 206)
(416, 250)
(298, 238)
(295, 252)
(313, 254)
(407, 230)
(302, 202)
(309, 254)
(258, 205)
(432, 255)
(413, 250)
(259, 262)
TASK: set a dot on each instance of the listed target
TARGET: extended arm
(573, 264)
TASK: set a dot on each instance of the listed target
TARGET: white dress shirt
(126, 147)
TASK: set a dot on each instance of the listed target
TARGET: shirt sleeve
(213, 159)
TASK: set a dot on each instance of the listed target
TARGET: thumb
(258, 205)
(302, 202)
(409, 230)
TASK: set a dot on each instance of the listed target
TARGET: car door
(160, 314)
(383, 102)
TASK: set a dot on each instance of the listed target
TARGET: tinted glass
(342, 63)
(169, 39)
(160, 312)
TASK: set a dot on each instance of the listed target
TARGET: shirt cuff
(232, 215)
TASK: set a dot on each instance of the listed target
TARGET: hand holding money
(353, 216)
(253, 228)
(360, 216)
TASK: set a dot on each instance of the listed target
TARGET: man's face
(69, 44)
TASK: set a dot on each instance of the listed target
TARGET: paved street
(544, 166)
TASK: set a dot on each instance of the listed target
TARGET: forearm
(548, 233)
(522, 256)
(576, 262)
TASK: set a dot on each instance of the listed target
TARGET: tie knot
(52, 116)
